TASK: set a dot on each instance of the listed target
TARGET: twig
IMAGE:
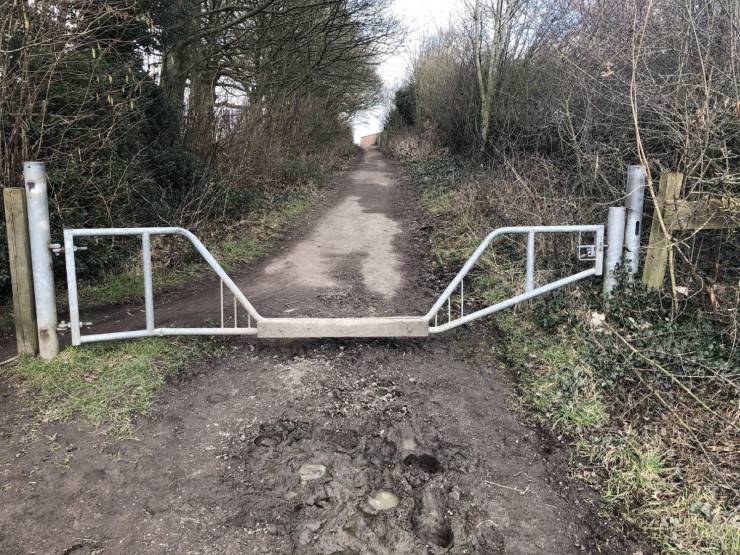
(519, 491)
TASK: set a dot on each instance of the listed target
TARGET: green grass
(108, 385)
(646, 489)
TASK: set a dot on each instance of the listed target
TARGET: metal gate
(448, 312)
(440, 318)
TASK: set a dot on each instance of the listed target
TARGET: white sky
(419, 17)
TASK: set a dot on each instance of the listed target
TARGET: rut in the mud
(371, 491)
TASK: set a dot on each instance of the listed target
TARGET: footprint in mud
(427, 463)
(429, 521)
(364, 490)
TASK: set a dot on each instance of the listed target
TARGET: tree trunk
(202, 111)
(175, 72)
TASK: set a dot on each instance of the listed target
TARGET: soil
(367, 446)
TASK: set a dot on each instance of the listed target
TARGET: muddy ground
(367, 446)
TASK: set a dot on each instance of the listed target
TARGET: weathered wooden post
(21, 273)
(659, 245)
(39, 230)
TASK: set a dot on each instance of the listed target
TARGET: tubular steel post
(633, 227)
(615, 246)
(39, 229)
(530, 261)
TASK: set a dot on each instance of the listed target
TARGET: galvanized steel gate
(440, 317)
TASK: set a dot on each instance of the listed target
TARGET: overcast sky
(419, 17)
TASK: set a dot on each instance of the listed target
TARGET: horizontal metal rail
(145, 233)
(530, 290)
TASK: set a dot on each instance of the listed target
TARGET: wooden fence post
(659, 245)
(21, 273)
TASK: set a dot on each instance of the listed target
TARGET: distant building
(369, 140)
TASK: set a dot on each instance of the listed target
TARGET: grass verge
(108, 385)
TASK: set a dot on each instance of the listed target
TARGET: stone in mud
(408, 444)
(309, 472)
(383, 500)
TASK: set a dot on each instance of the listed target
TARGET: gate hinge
(65, 326)
(58, 249)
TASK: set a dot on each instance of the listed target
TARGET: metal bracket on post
(39, 230)
(633, 227)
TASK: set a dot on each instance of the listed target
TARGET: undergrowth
(647, 398)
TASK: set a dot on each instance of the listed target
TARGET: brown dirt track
(216, 468)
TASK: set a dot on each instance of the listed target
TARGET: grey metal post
(633, 226)
(146, 250)
(74, 307)
(615, 245)
(529, 284)
(39, 230)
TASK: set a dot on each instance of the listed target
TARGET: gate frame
(402, 326)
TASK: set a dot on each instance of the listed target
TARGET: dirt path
(297, 447)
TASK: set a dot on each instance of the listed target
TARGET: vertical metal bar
(599, 246)
(449, 310)
(146, 253)
(615, 245)
(222, 303)
(633, 227)
(235, 315)
(530, 262)
(74, 308)
(39, 230)
(462, 299)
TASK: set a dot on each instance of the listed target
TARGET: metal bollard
(39, 230)
(614, 248)
(633, 226)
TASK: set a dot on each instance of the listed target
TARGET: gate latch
(586, 253)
